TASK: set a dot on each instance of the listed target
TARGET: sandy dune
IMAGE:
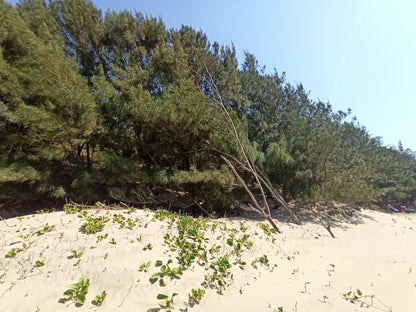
(239, 264)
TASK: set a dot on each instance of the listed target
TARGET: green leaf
(74, 286)
(154, 276)
(69, 293)
(359, 292)
(161, 297)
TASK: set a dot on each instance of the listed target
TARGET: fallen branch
(266, 182)
(260, 179)
(328, 228)
(208, 214)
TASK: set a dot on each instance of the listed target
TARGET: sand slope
(307, 270)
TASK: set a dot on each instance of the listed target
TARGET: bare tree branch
(247, 165)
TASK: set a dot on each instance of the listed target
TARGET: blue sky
(358, 54)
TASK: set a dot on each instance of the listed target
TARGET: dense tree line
(117, 106)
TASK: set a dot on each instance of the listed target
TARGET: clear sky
(358, 54)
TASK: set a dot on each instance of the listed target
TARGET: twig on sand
(328, 228)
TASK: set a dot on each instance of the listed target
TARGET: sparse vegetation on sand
(173, 261)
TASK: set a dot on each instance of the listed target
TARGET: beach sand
(240, 264)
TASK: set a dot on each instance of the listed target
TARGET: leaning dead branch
(266, 182)
(247, 164)
(264, 212)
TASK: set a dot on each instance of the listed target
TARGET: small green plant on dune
(215, 250)
(101, 237)
(98, 300)
(196, 295)
(230, 240)
(42, 211)
(243, 227)
(168, 302)
(40, 263)
(46, 228)
(215, 281)
(266, 229)
(120, 219)
(241, 263)
(131, 223)
(132, 209)
(222, 264)
(144, 266)
(190, 241)
(239, 243)
(76, 254)
(27, 236)
(165, 271)
(162, 214)
(12, 252)
(148, 247)
(113, 241)
(94, 225)
(77, 292)
(69, 209)
(100, 206)
(83, 214)
(264, 260)
(188, 253)
(365, 300)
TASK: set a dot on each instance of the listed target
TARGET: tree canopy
(117, 106)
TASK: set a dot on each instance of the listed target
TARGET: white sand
(308, 270)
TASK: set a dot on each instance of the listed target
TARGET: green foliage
(98, 300)
(117, 106)
(222, 264)
(94, 224)
(215, 280)
(144, 266)
(120, 219)
(46, 109)
(267, 230)
(165, 271)
(76, 254)
(358, 296)
(190, 240)
(168, 302)
(46, 228)
(12, 252)
(264, 260)
(162, 214)
(77, 292)
(71, 209)
(196, 295)
(101, 237)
